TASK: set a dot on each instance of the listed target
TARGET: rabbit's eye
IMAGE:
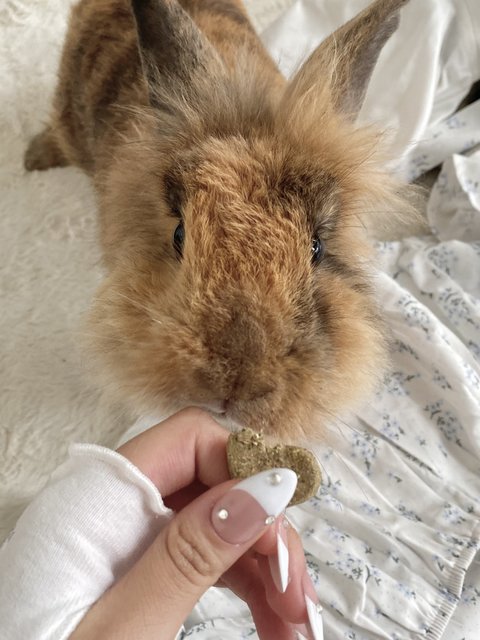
(178, 238)
(318, 250)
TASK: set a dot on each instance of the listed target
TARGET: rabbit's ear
(175, 56)
(345, 60)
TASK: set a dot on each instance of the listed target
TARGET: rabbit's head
(233, 228)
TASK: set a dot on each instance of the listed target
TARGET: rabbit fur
(232, 206)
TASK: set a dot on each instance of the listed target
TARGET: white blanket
(423, 72)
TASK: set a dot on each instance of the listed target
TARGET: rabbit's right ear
(176, 57)
(339, 70)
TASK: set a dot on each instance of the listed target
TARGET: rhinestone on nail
(274, 478)
(270, 520)
(222, 514)
(319, 608)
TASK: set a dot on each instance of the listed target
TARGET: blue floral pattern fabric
(392, 535)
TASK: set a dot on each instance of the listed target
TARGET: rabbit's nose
(242, 338)
(250, 390)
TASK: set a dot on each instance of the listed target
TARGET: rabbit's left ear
(176, 57)
(340, 68)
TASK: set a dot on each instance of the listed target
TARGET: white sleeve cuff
(93, 521)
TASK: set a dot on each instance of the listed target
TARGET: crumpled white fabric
(423, 72)
(454, 205)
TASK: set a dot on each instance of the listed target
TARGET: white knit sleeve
(83, 531)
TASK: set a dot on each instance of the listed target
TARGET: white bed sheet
(422, 74)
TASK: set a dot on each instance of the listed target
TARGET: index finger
(188, 446)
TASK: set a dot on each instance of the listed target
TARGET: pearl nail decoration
(274, 478)
(222, 514)
(270, 520)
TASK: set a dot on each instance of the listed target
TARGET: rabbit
(231, 210)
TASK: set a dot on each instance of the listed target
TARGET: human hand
(185, 457)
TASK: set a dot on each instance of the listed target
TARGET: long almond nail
(279, 562)
(314, 609)
(244, 511)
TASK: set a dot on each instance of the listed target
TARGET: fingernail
(314, 609)
(301, 632)
(279, 562)
(253, 504)
(315, 621)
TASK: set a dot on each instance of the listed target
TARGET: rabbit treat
(248, 454)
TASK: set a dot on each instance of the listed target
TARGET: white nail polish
(279, 565)
(314, 618)
(300, 636)
(283, 559)
(272, 489)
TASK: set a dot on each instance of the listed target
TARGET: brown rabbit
(231, 207)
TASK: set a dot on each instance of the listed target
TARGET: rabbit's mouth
(234, 415)
(215, 407)
(221, 411)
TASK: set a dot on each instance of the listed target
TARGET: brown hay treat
(248, 454)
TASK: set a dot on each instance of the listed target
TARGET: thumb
(200, 544)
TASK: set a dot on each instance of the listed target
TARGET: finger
(244, 579)
(299, 602)
(292, 601)
(288, 602)
(267, 545)
(268, 624)
(187, 446)
(179, 500)
(189, 555)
